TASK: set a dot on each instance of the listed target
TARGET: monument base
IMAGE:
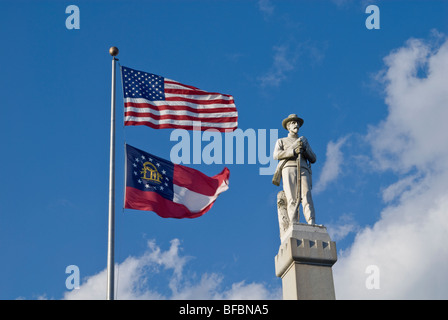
(304, 262)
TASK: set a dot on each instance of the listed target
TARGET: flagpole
(111, 232)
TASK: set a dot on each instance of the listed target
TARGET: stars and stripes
(160, 103)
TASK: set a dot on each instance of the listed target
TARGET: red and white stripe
(184, 107)
(194, 194)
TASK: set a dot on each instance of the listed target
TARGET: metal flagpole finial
(113, 51)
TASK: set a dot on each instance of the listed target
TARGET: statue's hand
(297, 144)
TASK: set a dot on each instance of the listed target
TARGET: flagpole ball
(113, 51)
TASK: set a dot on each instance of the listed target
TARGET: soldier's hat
(292, 117)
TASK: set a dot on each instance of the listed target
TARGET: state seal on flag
(150, 173)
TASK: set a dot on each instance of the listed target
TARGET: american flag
(161, 103)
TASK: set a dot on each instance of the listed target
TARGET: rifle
(295, 217)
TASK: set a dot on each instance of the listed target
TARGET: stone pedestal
(304, 262)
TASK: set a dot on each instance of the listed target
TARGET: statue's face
(293, 127)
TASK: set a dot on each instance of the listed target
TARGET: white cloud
(398, 189)
(408, 243)
(266, 7)
(341, 3)
(283, 62)
(134, 280)
(345, 225)
(332, 166)
(413, 135)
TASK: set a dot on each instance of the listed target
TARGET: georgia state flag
(170, 190)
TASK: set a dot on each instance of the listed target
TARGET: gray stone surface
(305, 231)
(304, 262)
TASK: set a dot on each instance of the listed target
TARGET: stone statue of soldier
(294, 154)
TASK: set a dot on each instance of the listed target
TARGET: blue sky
(374, 104)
